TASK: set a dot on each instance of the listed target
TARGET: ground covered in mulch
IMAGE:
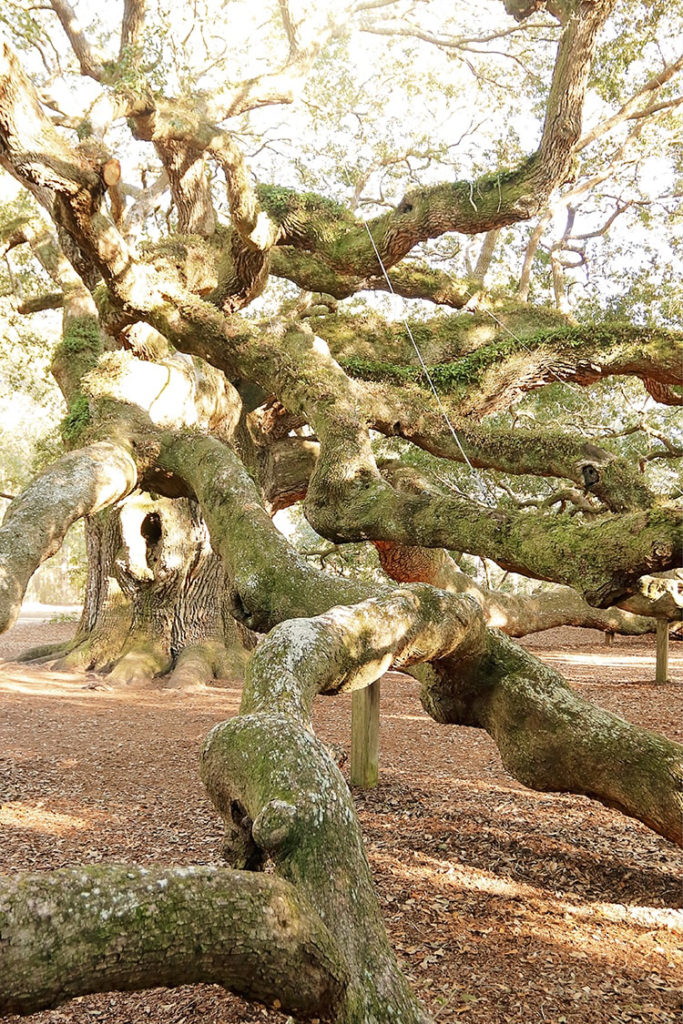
(504, 905)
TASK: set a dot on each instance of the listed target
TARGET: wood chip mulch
(504, 905)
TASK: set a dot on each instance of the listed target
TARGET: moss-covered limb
(271, 581)
(411, 280)
(470, 207)
(540, 452)
(348, 647)
(272, 770)
(515, 614)
(603, 559)
(79, 484)
(266, 765)
(101, 928)
(501, 368)
(267, 770)
(552, 739)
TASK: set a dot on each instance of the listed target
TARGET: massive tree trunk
(156, 600)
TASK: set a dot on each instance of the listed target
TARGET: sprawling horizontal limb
(486, 362)
(515, 614)
(102, 928)
(411, 280)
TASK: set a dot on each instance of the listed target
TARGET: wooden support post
(365, 736)
(662, 669)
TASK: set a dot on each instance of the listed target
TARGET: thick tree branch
(552, 739)
(90, 64)
(412, 280)
(132, 24)
(487, 362)
(514, 614)
(103, 928)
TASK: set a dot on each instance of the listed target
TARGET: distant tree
(205, 393)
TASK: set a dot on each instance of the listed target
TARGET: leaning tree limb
(79, 484)
(550, 738)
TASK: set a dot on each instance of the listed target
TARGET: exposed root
(139, 665)
(44, 653)
(197, 665)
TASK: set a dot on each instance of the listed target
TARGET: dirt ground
(504, 905)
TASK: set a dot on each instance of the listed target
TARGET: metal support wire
(480, 480)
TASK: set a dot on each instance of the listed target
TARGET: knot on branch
(274, 824)
(591, 476)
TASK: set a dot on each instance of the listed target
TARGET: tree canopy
(416, 268)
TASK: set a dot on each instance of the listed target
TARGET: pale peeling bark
(79, 484)
(101, 928)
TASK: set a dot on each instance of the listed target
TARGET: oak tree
(221, 254)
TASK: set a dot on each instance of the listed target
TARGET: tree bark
(79, 484)
(155, 600)
(551, 739)
(103, 928)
